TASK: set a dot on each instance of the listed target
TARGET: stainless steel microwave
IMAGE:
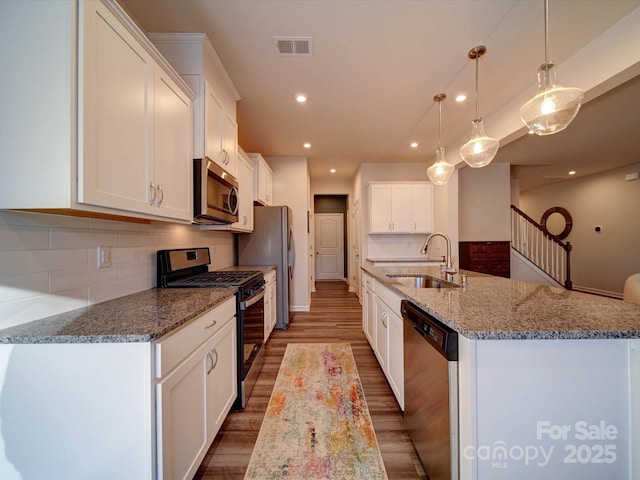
(215, 194)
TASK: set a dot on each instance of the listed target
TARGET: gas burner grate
(216, 278)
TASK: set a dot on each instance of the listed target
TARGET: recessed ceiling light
(531, 132)
(301, 98)
(461, 97)
(333, 170)
(414, 144)
(572, 172)
(307, 145)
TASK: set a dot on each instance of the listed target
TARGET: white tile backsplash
(49, 263)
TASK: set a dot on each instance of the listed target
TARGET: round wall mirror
(557, 222)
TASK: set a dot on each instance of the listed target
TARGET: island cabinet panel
(532, 409)
(493, 258)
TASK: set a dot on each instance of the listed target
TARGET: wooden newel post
(567, 283)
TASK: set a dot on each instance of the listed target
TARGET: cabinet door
(422, 207)
(274, 286)
(263, 181)
(245, 210)
(382, 333)
(181, 427)
(172, 145)
(369, 312)
(380, 209)
(116, 121)
(395, 366)
(221, 377)
(230, 145)
(401, 221)
(213, 126)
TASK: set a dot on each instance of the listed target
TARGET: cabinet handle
(154, 193)
(213, 350)
(209, 357)
(161, 196)
(244, 219)
(385, 318)
(212, 324)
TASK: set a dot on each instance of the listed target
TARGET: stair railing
(544, 250)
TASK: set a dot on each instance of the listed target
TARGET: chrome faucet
(449, 267)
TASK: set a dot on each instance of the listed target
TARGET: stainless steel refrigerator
(271, 243)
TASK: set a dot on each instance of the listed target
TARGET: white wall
(484, 212)
(48, 263)
(599, 261)
(291, 187)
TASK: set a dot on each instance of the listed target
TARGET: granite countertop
(495, 308)
(140, 317)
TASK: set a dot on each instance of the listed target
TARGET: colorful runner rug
(317, 424)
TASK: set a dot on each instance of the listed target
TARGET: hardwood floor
(335, 316)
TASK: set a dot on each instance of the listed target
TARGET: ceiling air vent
(293, 46)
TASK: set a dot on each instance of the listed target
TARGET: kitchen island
(548, 379)
(127, 388)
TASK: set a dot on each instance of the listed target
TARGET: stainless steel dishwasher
(431, 391)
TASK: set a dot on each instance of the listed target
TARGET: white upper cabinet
(400, 207)
(128, 151)
(263, 181)
(422, 207)
(173, 137)
(220, 133)
(136, 125)
(116, 138)
(214, 121)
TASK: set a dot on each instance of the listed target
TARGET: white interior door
(329, 229)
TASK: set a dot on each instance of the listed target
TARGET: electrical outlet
(104, 256)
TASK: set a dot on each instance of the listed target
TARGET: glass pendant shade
(554, 107)
(480, 150)
(441, 171)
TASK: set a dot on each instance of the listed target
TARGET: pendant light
(555, 106)
(480, 149)
(441, 171)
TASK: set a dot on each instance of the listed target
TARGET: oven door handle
(256, 298)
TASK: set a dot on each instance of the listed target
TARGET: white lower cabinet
(270, 314)
(369, 309)
(383, 328)
(131, 410)
(181, 419)
(193, 399)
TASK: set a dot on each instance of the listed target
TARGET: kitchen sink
(421, 281)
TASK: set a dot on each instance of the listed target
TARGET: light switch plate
(104, 256)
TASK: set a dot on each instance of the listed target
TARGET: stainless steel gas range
(188, 268)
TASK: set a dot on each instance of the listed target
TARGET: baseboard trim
(595, 291)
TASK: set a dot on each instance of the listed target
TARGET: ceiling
(377, 64)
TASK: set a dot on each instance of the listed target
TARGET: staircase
(544, 250)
